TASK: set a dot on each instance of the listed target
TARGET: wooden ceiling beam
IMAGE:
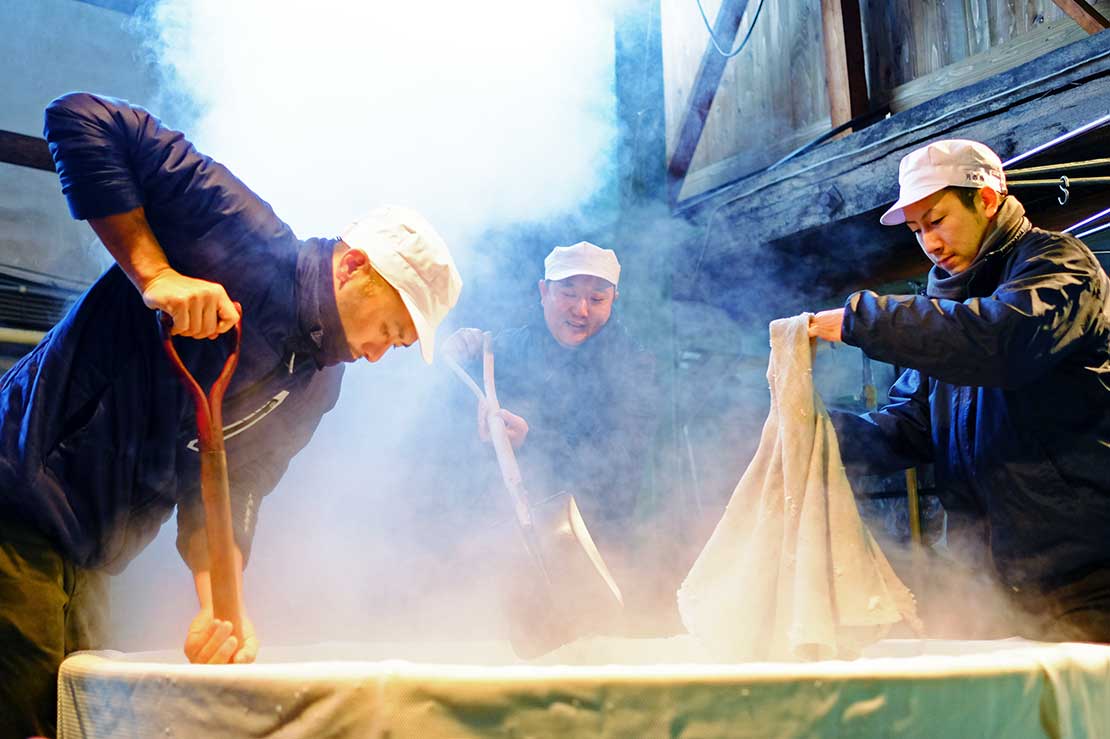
(704, 89)
(25, 151)
(1081, 11)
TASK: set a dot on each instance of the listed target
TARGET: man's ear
(616, 294)
(991, 201)
(350, 262)
(542, 285)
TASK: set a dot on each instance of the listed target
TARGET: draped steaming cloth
(791, 572)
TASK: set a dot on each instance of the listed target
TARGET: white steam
(480, 114)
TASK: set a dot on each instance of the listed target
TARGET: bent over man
(97, 436)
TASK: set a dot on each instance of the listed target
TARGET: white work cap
(941, 164)
(582, 258)
(413, 258)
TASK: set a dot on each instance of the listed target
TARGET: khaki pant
(48, 608)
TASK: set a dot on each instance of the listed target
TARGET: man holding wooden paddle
(98, 441)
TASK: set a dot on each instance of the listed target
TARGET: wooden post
(710, 71)
(845, 65)
(1089, 19)
(642, 142)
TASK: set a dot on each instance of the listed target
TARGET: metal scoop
(562, 588)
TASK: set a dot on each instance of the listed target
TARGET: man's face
(948, 231)
(576, 308)
(370, 309)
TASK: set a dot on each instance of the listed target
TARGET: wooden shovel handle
(224, 571)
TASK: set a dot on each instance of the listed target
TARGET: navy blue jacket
(97, 436)
(592, 415)
(1009, 398)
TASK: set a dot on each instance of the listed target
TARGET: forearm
(130, 241)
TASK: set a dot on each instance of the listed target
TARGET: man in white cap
(1008, 387)
(577, 391)
(97, 436)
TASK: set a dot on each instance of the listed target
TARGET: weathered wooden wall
(772, 98)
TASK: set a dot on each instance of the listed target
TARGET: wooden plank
(25, 151)
(1024, 48)
(708, 78)
(771, 99)
(699, 182)
(845, 63)
(1081, 11)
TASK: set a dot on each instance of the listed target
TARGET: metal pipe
(1062, 167)
(1059, 139)
(20, 336)
(1094, 230)
(1088, 219)
(1071, 181)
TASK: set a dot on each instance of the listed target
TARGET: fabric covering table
(595, 688)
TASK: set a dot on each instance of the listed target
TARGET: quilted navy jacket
(97, 437)
(1009, 398)
(592, 414)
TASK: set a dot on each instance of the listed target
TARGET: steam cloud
(482, 115)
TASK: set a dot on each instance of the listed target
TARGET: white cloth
(595, 688)
(791, 572)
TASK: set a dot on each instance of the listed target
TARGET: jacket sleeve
(113, 157)
(895, 437)
(105, 151)
(1036, 317)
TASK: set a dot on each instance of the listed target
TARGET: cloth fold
(791, 572)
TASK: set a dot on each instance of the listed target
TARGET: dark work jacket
(591, 413)
(97, 436)
(1009, 398)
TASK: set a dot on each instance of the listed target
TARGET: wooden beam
(845, 63)
(710, 71)
(849, 182)
(1089, 19)
(25, 151)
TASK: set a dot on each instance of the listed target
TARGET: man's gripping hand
(515, 426)
(827, 325)
(211, 642)
(200, 309)
(463, 345)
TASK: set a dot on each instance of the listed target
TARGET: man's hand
(200, 309)
(210, 641)
(463, 345)
(826, 324)
(516, 426)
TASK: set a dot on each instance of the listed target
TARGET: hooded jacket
(97, 435)
(1008, 395)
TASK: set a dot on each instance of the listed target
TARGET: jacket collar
(319, 331)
